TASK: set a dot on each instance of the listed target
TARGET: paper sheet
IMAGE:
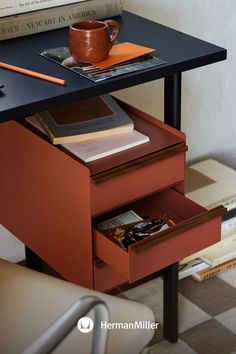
(122, 52)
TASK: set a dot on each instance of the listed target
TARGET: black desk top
(25, 95)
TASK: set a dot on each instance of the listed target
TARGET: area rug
(207, 314)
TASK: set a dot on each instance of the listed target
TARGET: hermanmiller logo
(129, 325)
(85, 324)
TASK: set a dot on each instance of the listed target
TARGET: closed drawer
(106, 277)
(195, 228)
(137, 183)
(139, 171)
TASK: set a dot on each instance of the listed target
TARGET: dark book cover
(95, 117)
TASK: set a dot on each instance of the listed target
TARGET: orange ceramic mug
(91, 41)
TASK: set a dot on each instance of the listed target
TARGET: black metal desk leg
(172, 100)
(171, 302)
(172, 105)
(33, 261)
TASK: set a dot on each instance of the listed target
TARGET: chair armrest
(53, 336)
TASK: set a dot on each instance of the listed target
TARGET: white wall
(209, 93)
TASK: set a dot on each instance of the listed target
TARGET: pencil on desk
(33, 73)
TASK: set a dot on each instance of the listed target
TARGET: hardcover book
(92, 118)
(52, 18)
(15, 7)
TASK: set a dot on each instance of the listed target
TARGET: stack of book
(91, 128)
(21, 18)
(211, 183)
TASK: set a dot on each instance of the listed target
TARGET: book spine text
(15, 7)
(57, 17)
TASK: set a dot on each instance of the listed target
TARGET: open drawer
(195, 228)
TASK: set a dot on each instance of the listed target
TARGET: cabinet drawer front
(106, 277)
(139, 171)
(195, 229)
(138, 183)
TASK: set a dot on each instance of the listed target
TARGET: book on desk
(24, 18)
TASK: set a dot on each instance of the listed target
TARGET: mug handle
(116, 29)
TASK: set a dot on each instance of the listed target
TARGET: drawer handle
(177, 229)
(98, 263)
(139, 163)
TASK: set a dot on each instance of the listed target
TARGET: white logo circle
(85, 324)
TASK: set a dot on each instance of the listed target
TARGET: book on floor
(92, 118)
(211, 272)
(94, 149)
(191, 267)
(221, 252)
(211, 183)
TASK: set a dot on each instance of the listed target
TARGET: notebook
(90, 150)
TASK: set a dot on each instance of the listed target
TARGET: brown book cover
(91, 108)
(92, 118)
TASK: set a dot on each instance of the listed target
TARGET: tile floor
(207, 314)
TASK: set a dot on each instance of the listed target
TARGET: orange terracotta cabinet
(56, 198)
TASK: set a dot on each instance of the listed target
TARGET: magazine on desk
(61, 55)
